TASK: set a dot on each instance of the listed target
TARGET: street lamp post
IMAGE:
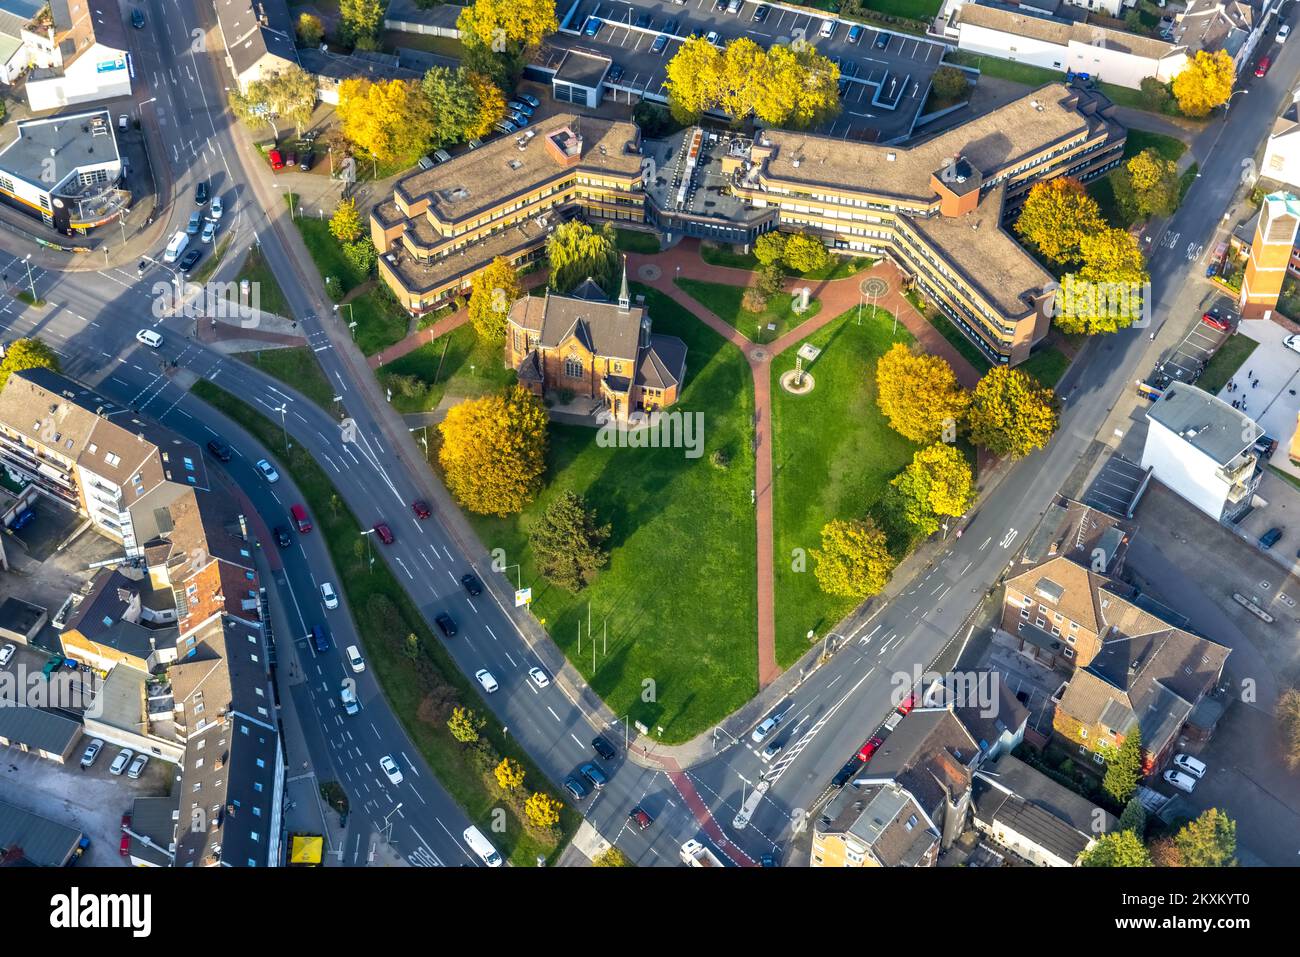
(284, 408)
(1228, 105)
(27, 261)
(370, 558)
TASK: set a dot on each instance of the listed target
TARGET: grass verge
(632, 241)
(381, 322)
(968, 350)
(338, 272)
(1047, 365)
(204, 272)
(458, 363)
(296, 366)
(1230, 357)
(258, 273)
(422, 690)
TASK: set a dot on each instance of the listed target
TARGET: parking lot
(1187, 360)
(1113, 489)
(887, 74)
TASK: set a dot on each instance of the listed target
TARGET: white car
(6, 653)
(349, 698)
(1194, 767)
(764, 729)
(137, 767)
(120, 762)
(355, 660)
(712, 37)
(148, 338)
(92, 751)
(1180, 780)
(328, 595)
(391, 769)
(217, 209)
(539, 677)
(1292, 343)
(209, 231)
(1283, 32)
(486, 680)
(268, 470)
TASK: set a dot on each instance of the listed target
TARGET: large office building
(445, 224)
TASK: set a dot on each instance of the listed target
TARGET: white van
(355, 660)
(481, 846)
(176, 246)
(149, 338)
(828, 29)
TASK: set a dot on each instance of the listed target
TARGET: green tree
(1208, 841)
(345, 224)
(935, 485)
(493, 451)
(577, 252)
(288, 94)
(412, 646)
(854, 560)
(492, 292)
(310, 30)
(1011, 414)
(1206, 82)
(361, 255)
(1117, 849)
(465, 726)
(949, 83)
(359, 20)
(920, 395)
(27, 354)
(568, 545)
(465, 104)
(770, 248)
(1155, 94)
(1134, 817)
(1124, 767)
(1057, 215)
(804, 253)
(770, 280)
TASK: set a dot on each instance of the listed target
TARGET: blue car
(592, 27)
(661, 41)
(855, 34)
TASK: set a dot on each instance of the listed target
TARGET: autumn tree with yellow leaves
(493, 291)
(854, 560)
(919, 395)
(542, 810)
(1206, 82)
(392, 119)
(493, 451)
(1056, 216)
(937, 484)
(1011, 413)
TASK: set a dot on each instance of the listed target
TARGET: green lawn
(1007, 69)
(969, 351)
(339, 274)
(384, 616)
(840, 267)
(1047, 365)
(1167, 147)
(258, 273)
(716, 255)
(204, 272)
(297, 367)
(1230, 357)
(458, 362)
(633, 241)
(833, 453)
(380, 320)
(678, 594)
(913, 9)
(725, 303)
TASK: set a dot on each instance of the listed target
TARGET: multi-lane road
(92, 320)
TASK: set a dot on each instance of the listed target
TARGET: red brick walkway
(837, 297)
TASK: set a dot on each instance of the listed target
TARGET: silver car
(120, 762)
(92, 751)
(137, 767)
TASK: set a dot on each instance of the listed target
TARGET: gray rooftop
(1207, 423)
(37, 729)
(73, 142)
(1037, 788)
(44, 843)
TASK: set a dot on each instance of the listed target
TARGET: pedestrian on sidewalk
(1255, 384)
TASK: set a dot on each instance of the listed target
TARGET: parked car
(6, 653)
(1180, 780)
(505, 126)
(486, 680)
(640, 817)
(421, 508)
(603, 748)
(644, 21)
(845, 774)
(385, 533)
(1216, 321)
(765, 728)
(189, 260)
(828, 29)
(201, 194)
(760, 13)
(1193, 766)
(124, 845)
(291, 158)
(308, 158)
(868, 749)
(1270, 538)
(194, 225)
(137, 767)
(91, 753)
(220, 450)
(391, 769)
(882, 41)
(518, 106)
(277, 160)
(1262, 67)
(328, 595)
(575, 787)
(446, 624)
(592, 27)
(1266, 445)
(539, 677)
(1292, 342)
(671, 26)
(616, 73)
(268, 471)
(472, 585)
(855, 33)
(712, 37)
(121, 761)
(657, 47)
(908, 704)
(209, 231)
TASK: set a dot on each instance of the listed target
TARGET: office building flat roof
(72, 142)
(1205, 422)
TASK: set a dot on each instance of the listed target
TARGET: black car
(472, 585)
(189, 259)
(282, 537)
(845, 774)
(769, 860)
(615, 73)
(201, 194)
(644, 21)
(220, 449)
(760, 13)
(575, 787)
(720, 6)
(603, 748)
(308, 157)
(137, 19)
(446, 624)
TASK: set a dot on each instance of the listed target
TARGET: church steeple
(624, 300)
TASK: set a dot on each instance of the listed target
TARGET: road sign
(523, 596)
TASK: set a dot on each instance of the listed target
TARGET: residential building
(331, 69)
(1065, 9)
(16, 16)
(65, 171)
(1271, 251)
(600, 350)
(258, 37)
(1201, 447)
(445, 224)
(20, 620)
(996, 723)
(27, 838)
(47, 734)
(878, 825)
(1281, 161)
(1236, 27)
(1081, 533)
(1067, 45)
(937, 207)
(73, 51)
(1027, 813)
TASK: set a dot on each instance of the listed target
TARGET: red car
(421, 508)
(125, 846)
(1264, 64)
(908, 704)
(126, 821)
(277, 160)
(385, 533)
(869, 749)
(1212, 318)
(640, 817)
